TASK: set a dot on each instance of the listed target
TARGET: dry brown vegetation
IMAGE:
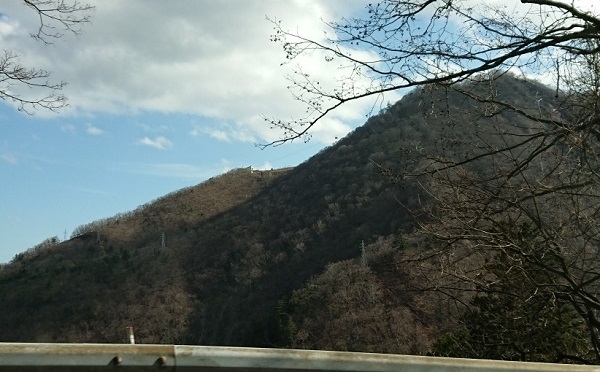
(114, 273)
(264, 258)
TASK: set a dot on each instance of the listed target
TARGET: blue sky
(58, 173)
(161, 97)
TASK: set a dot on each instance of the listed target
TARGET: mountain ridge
(235, 261)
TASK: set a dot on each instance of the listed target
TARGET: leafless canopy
(523, 186)
(55, 18)
(420, 42)
(514, 184)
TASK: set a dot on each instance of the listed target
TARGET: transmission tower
(363, 254)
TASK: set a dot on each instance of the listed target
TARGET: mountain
(303, 257)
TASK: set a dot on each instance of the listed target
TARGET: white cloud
(228, 132)
(8, 26)
(220, 135)
(160, 143)
(173, 170)
(153, 128)
(265, 166)
(214, 132)
(87, 190)
(68, 128)
(176, 170)
(208, 58)
(9, 158)
(93, 131)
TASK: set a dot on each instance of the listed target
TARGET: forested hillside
(319, 256)
(116, 272)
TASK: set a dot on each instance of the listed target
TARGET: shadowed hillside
(115, 272)
(269, 258)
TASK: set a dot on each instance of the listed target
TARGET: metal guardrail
(102, 357)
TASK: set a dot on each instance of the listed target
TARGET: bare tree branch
(419, 42)
(55, 18)
(58, 16)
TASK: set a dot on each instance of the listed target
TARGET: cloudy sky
(163, 95)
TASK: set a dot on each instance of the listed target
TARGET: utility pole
(162, 241)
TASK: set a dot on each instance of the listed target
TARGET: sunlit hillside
(312, 257)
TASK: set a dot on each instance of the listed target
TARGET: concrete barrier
(102, 357)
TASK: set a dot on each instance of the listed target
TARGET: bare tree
(419, 42)
(55, 18)
(526, 192)
(514, 184)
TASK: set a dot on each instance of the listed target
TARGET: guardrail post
(130, 335)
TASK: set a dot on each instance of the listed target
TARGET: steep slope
(116, 273)
(320, 212)
(238, 245)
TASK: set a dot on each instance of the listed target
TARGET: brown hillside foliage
(362, 307)
(269, 258)
(87, 289)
